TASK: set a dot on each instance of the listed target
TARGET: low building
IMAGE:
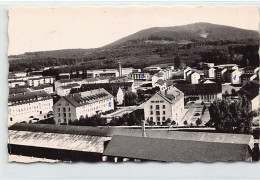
(194, 78)
(220, 74)
(209, 72)
(19, 90)
(161, 84)
(246, 78)
(164, 105)
(48, 88)
(251, 70)
(22, 106)
(16, 83)
(140, 76)
(201, 92)
(63, 82)
(37, 81)
(85, 143)
(102, 73)
(141, 149)
(235, 76)
(87, 103)
(65, 90)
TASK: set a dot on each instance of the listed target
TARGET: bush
(168, 121)
(185, 122)
(198, 122)
(173, 122)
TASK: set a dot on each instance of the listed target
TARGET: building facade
(22, 106)
(164, 105)
(87, 103)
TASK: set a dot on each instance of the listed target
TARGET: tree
(130, 99)
(233, 92)
(198, 122)
(185, 122)
(168, 121)
(232, 117)
(173, 122)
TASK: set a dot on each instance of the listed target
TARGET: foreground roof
(199, 88)
(170, 150)
(111, 131)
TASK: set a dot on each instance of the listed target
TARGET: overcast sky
(40, 29)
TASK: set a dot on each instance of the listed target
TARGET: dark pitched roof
(246, 75)
(65, 80)
(87, 97)
(160, 82)
(112, 88)
(251, 90)
(169, 150)
(17, 90)
(188, 89)
(70, 86)
(42, 86)
(28, 96)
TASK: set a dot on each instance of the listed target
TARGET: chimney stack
(143, 128)
(120, 69)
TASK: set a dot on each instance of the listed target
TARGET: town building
(85, 143)
(102, 73)
(48, 88)
(193, 78)
(39, 80)
(63, 82)
(128, 148)
(209, 72)
(87, 103)
(64, 76)
(251, 70)
(220, 74)
(201, 92)
(251, 90)
(65, 90)
(96, 80)
(164, 105)
(22, 106)
(16, 83)
(161, 84)
(246, 78)
(185, 72)
(18, 90)
(234, 77)
(140, 76)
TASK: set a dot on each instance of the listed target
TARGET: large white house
(164, 105)
(65, 90)
(22, 106)
(81, 104)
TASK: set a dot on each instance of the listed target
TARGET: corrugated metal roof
(75, 142)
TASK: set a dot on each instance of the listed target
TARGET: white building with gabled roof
(164, 105)
(87, 103)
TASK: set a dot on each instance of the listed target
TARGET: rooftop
(251, 90)
(199, 88)
(170, 150)
(27, 97)
(87, 97)
(70, 86)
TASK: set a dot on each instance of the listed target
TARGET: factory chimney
(120, 69)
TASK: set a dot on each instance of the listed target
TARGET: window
(68, 109)
(152, 101)
(163, 106)
(59, 120)
(58, 109)
(163, 118)
(157, 112)
(151, 112)
(69, 115)
(59, 114)
(67, 104)
(163, 112)
(151, 118)
(157, 107)
(11, 119)
(64, 109)
(151, 107)
(158, 119)
(64, 114)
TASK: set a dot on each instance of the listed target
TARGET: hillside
(189, 43)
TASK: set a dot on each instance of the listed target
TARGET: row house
(16, 83)
(37, 81)
(164, 74)
(207, 92)
(209, 72)
(48, 88)
(22, 106)
(141, 76)
(83, 104)
(65, 90)
(163, 105)
(63, 82)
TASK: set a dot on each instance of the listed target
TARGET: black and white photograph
(133, 84)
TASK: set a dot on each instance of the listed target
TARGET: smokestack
(143, 128)
(120, 69)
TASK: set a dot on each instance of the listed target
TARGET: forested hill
(189, 43)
